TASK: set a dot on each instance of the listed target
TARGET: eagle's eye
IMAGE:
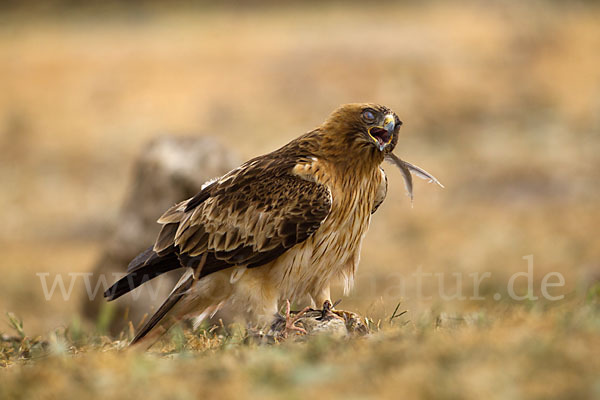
(368, 115)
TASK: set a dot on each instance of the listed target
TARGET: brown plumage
(284, 225)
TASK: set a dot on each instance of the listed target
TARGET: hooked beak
(382, 135)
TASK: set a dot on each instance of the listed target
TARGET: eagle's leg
(290, 321)
(328, 311)
(354, 322)
(323, 298)
(319, 298)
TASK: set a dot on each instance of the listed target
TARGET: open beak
(382, 135)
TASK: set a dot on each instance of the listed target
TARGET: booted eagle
(282, 226)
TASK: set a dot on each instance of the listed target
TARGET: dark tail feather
(146, 266)
(158, 316)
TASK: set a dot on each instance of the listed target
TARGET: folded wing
(248, 217)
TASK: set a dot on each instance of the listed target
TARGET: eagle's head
(370, 126)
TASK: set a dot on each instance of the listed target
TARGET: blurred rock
(169, 169)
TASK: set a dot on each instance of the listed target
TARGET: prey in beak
(407, 169)
(383, 134)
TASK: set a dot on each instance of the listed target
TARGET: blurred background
(500, 100)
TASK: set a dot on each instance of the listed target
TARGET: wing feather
(381, 191)
(248, 217)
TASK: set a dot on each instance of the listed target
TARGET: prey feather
(407, 169)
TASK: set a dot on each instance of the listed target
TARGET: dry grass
(500, 353)
(500, 101)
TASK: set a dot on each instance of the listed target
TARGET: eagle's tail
(167, 314)
(146, 266)
(191, 297)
